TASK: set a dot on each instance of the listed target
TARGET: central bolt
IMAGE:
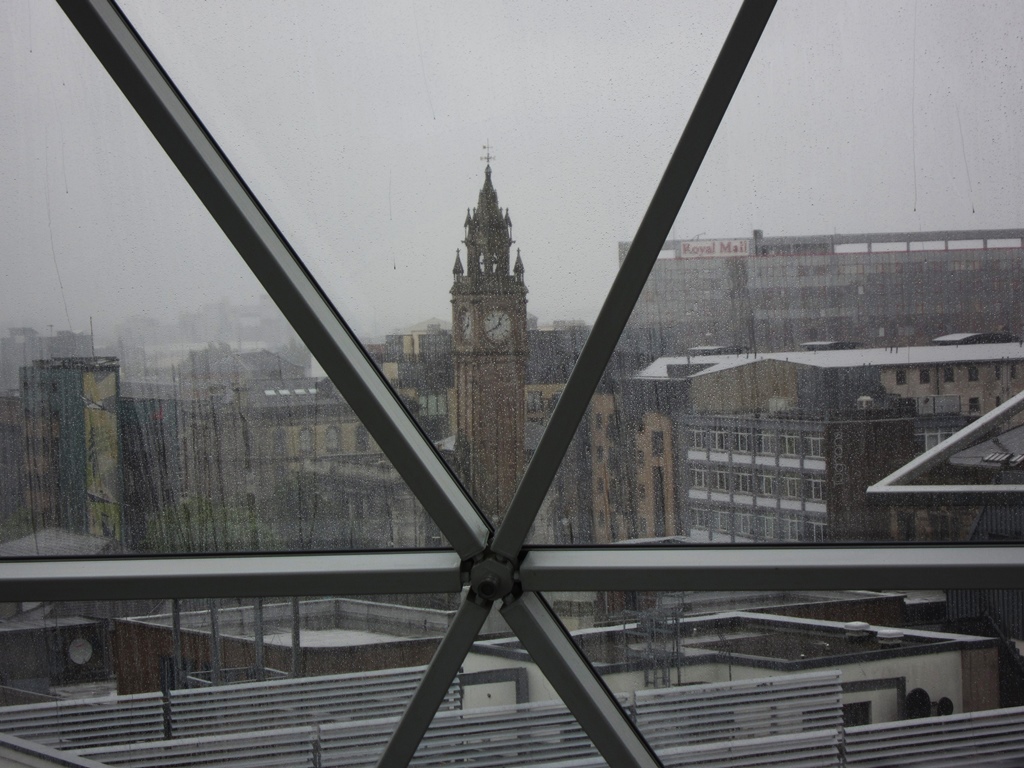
(488, 587)
(492, 578)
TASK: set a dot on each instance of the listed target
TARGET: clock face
(466, 324)
(497, 326)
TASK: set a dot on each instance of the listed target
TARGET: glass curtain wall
(286, 431)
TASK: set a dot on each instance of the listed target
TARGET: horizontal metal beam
(276, 265)
(581, 689)
(357, 573)
(668, 198)
(906, 566)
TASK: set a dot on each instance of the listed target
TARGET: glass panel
(844, 293)
(714, 674)
(153, 397)
(360, 128)
(511, 714)
(176, 681)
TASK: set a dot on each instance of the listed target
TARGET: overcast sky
(360, 127)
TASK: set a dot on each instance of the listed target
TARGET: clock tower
(489, 346)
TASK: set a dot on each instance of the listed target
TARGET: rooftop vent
(857, 630)
(890, 637)
(993, 337)
(812, 346)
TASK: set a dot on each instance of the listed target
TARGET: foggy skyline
(359, 127)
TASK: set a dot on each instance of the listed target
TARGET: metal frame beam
(633, 273)
(438, 678)
(131, 578)
(581, 689)
(894, 489)
(776, 567)
(284, 277)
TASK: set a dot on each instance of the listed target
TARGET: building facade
(774, 293)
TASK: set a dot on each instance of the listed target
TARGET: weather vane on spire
(487, 153)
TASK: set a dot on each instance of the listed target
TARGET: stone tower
(489, 340)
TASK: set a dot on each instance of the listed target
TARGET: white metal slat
(818, 749)
(68, 723)
(283, 747)
(744, 710)
(950, 740)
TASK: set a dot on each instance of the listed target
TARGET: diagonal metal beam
(129, 578)
(743, 567)
(894, 489)
(581, 689)
(435, 683)
(264, 248)
(632, 277)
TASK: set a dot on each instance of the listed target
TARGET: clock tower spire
(489, 340)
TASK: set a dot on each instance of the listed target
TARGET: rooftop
(843, 358)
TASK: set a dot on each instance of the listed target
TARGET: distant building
(781, 446)
(886, 674)
(74, 467)
(770, 293)
(23, 346)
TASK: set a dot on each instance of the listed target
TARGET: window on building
(948, 374)
(332, 439)
(816, 489)
(534, 401)
(972, 373)
(698, 438)
(766, 443)
(816, 447)
(857, 713)
(998, 371)
(702, 517)
(791, 486)
(974, 405)
(742, 441)
(901, 376)
(434, 405)
(721, 480)
(699, 478)
(790, 444)
(724, 522)
(745, 482)
(305, 440)
(657, 443)
(933, 437)
(924, 376)
(743, 524)
(766, 485)
(720, 439)
(792, 528)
